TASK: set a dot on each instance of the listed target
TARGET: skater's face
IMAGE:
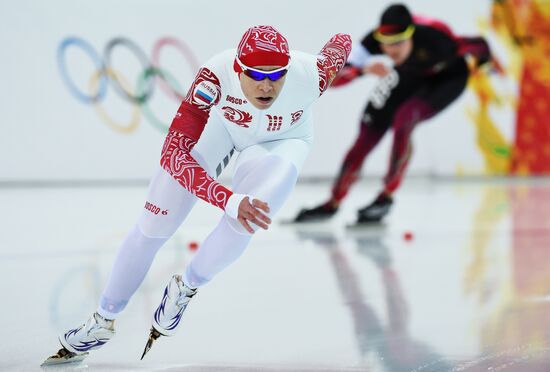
(398, 52)
(262, 93)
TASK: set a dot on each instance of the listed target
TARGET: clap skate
(77, 342)
(374, 212)
(175, 299)
(320, 213)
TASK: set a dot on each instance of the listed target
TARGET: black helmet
(396, 24)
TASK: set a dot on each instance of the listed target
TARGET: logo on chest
(274, 123)
(241, 118)
(296, 116)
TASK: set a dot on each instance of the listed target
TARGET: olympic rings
(142, 59)
(134, 122)
(184, 49)
(164, 76)
(105, 74)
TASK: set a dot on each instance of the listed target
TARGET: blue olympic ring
(88, 49)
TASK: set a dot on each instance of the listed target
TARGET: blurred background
(64, 121)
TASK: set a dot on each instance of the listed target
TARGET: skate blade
(367, 225)
(64, 356)
(153, 336)
(318, 221)
(367, 228)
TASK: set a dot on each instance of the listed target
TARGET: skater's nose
(266, 85)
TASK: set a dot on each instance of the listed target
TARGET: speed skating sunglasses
(259, 75)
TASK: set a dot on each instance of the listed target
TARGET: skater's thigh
(166, 206)
(293, 151)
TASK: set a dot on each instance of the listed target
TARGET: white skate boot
(79, 341)
(168, 315)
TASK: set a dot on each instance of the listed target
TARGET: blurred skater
(430, 70)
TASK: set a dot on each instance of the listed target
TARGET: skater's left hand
(253, 212)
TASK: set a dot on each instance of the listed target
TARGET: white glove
(232, 206)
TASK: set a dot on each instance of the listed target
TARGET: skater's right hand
(253, 212)
(379, 69)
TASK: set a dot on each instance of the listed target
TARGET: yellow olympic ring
(121, 128)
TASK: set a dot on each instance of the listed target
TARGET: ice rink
(469, 291)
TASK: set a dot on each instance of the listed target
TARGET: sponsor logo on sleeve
(236, 101)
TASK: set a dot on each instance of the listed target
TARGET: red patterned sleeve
(184, 133)
(332, 59)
